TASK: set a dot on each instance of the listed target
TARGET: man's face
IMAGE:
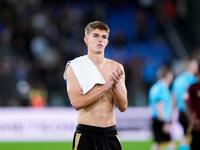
(194, 66)
(97, 40)
(170, 77)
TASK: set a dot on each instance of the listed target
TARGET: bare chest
(106, 72)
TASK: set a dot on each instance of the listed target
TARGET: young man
(179, 87)
(161, 107)
(94, 101)
(192, 101)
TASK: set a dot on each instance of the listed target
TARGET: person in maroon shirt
(192, 101)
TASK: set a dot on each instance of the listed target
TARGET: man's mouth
(100, 45)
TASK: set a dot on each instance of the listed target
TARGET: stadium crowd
(38, 37)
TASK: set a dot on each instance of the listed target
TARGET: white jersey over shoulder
(86, 73)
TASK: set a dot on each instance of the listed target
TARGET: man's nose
(100, 39)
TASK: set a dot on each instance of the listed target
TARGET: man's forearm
(120, 98)
(159, 109)
(84, 100)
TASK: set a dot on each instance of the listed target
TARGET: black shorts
(159, 135)
(195, 145)
(183, 121)
(96, 138)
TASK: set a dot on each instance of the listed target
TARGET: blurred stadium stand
(38, 37)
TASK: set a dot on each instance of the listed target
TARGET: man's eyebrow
(98, 34)
(95, 34)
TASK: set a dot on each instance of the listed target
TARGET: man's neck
(190, 71)
(165, 82)
(97, 59)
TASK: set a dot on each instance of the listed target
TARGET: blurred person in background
(179, 87)
(96, 127)
(192, 101)
(160, 101)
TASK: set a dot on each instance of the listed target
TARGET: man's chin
(99, 51)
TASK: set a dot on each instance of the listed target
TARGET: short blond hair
(96, 25)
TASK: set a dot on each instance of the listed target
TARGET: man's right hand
(166, 127)
(117, 75)
(109, 83)
(114, 78)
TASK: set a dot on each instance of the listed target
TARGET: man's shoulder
(157, 86)
(180, 79)
(113, 63)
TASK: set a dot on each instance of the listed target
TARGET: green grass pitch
(132, 145)
(65, 146)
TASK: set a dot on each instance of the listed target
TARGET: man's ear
(107, 41)
(86, 40)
